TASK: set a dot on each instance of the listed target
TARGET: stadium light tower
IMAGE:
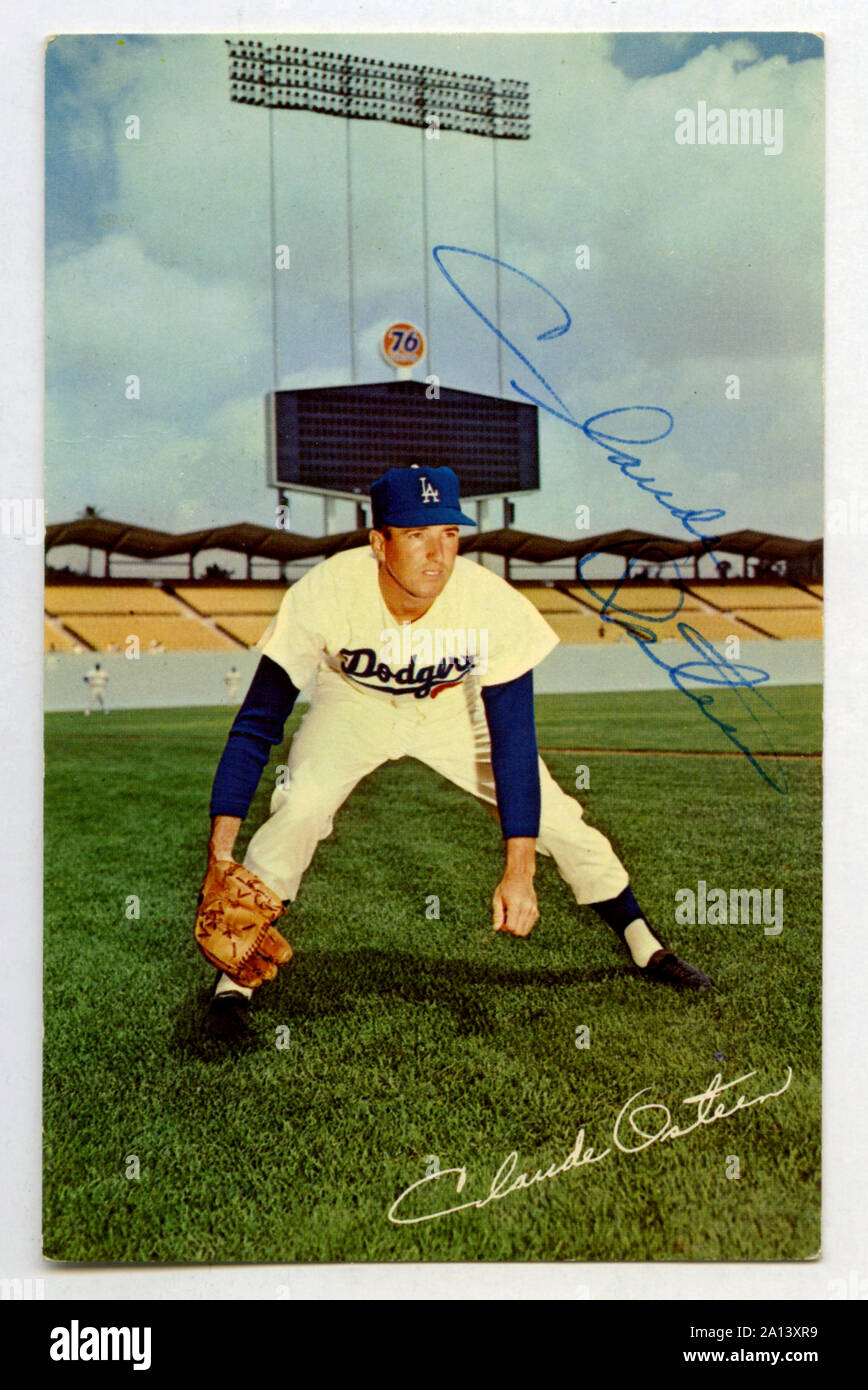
(286, 77)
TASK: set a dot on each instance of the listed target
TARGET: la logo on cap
(429, 492)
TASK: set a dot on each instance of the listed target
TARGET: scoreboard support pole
(496, 563)
(329, 514)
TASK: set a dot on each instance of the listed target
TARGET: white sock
(641, 942)
(227, 986)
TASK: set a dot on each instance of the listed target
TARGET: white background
(844, 1263)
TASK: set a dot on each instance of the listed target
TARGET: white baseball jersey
(386, 691)
(97, 680)
(334, 622)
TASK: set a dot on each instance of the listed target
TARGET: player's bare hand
(514, 905)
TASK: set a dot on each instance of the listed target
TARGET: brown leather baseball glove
(234, 924)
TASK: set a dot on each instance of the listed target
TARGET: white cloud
(113, 312)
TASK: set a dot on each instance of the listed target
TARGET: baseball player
(232, 680)
(411, 650)
(96, 680)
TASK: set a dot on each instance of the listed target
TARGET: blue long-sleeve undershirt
(268, 703)
(257, 726)
(514, 756)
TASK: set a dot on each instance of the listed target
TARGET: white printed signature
(629, 1125)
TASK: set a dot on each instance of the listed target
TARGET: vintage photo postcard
(433, 618)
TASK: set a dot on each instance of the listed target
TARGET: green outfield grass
(412, 1037)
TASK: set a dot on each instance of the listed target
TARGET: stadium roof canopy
(524, 545)
(265, 542)
(245, 538)
(762, 545)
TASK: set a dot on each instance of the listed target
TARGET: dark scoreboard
(338, 439)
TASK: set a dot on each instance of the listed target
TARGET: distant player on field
(232, 680)
(96, 680)
(413, 651)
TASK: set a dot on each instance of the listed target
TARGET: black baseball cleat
(226, 1017)
(669, 969)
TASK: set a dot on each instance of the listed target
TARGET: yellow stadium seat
(108, 598)
(548, 600)
(716, 627)
(237, 598)
(574, 628)
(179, 634)
(647, 599)
(636, 598)
(747, 596)
(247, 627)
(789, 622)
(56, 640)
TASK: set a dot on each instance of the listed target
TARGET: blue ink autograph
(712, 669)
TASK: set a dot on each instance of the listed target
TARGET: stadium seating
(103, 616)
(56, 640)
(226, 599)
(246, 627)
(175, 634)
(578, 627)
(716, 627)
(571, 622)
(769, 610)
(789, 622)
(548, 600)
(585, 628)
(663, 598)
(747, 596)
(107, 598)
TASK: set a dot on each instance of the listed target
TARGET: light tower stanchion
(350, 260)
(272, 254)
(426, 269)
(497, 287)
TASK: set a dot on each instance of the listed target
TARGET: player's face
(419, 560)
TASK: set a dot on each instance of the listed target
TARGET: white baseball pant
(347, 734)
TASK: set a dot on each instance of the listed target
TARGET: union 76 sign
(403, 345)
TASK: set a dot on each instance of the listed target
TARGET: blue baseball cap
(417, 496)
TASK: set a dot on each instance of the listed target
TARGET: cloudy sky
(704, 262)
